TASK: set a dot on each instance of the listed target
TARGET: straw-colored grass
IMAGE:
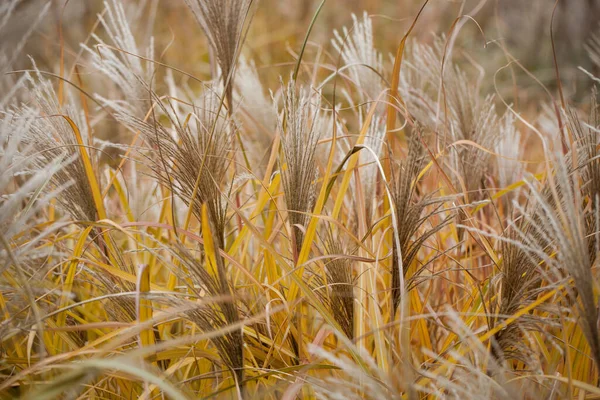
(228, 214)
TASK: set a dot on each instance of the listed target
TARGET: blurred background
(523, 26)
(497, 31)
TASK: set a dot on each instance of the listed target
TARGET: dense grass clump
(230, 199)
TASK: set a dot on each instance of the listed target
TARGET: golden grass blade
(89, 169)
(145, 305)
(70, 277)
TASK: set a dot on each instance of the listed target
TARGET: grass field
(290, 199)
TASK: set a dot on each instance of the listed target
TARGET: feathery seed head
(360, 56)
(49, 138)
(194, 157)
(128, 72)
(223, 23)
(300, 124)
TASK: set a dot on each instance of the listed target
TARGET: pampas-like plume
(126, 71)
(420, 80)
(409, 212)
(49, 138)
(368, 173)
(473, 120)
(509, 147)
(195, 152)
(300, 124)
(250, 91)
(340, 282)
(15, 164)
(223, 23)
(360, 56)
(257, 111)
(520, 282)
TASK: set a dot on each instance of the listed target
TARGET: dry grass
(193, 208)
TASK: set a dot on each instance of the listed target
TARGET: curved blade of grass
(310, 27)
(144, 305)
(67, 286)
(394, 95)
(89, 170)
(92, 368)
